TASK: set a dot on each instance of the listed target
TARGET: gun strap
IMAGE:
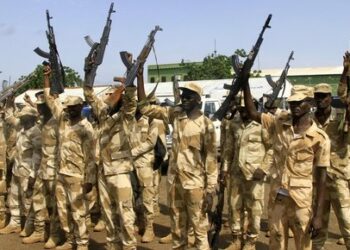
(155, 57)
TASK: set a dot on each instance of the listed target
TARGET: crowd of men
(58, 170)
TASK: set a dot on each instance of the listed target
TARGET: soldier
(3, 168)
(143, 153)
(116, 116)
(331, 121)
(76, 172)
(27, 161)
(301, 156)
(243, 162)
(193, 172)
(43, 202)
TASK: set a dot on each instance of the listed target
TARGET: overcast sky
(317, 30)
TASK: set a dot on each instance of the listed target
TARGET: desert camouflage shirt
(193, 154)
(115, 131)
(245, 148)
(27, 154)
(144, 141)
(2, 145)
(76, 147)
(296, 156)
(340, 144)
(50, 153)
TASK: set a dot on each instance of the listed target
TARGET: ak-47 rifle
(133, 68)
(176, 90)
(12, 89)
(238, 79)
(95, 56)
(58, 75)
(216, 217)
(279, 84)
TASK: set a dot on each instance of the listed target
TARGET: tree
(36, 78)
(212, 67)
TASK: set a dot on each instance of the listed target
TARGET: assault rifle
(95, 56)
(216, 217)
(12, 89)
(133, 68)
(240, 71)
(58, 75)
(176, 90)
(279, 84)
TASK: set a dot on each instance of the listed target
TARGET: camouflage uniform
(143, 153)
(26, 163)
(192, 171)
(338, 179)
(295, 158)
(3, 169)
(242, 158)
(43, 199)
(77, 167)
(115, 166)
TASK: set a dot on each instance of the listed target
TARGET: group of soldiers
(57, 167)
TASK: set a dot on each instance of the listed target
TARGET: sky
(317, 31)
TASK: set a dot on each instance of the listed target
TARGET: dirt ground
(97, 240)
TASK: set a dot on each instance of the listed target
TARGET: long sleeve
(36, 146)
(228, 147)
(99, 108)
(210, 163)
(54, 104)
(150, 142)
(89, 154)
(165, 114)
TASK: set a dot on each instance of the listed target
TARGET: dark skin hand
(301, 122)
(87, 188)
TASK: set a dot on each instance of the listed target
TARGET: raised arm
(150, 142)
(343, 84)
(249, 104)
(98, 106)
(52, 102)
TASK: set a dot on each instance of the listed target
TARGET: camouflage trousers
(286, 214)
(72, 208)
(3, 192)
(44, 206)
(116, 199)
(19, 204)
(145, 178)
(186, 211)
(337, 195)
(157, 175)
(246, 195)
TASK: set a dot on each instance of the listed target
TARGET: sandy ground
(13, 241)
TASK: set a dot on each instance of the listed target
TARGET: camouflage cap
(40, 99)
(195, 87)
(300, 92)
(72, 101)
(27, 111)
(323, 88)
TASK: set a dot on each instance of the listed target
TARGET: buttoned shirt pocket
(254, 143)
(303, 162)
(301, 190)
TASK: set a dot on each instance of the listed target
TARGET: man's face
(323, 100)
(299, 108)
(243, 113)
(43, 109)
(25, 120)
(74, 111)
(189, 100)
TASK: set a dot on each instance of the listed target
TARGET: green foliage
(36, 79)
(213, 67)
